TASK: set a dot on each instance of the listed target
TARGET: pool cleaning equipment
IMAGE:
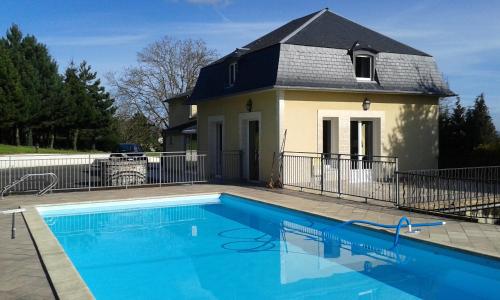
(398, 227)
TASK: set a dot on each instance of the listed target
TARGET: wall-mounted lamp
(249, 105)
(366, 104)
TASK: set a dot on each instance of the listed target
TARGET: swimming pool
(227, 247)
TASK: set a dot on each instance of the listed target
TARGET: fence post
(240, 153)
(282, 169)
(339, 174)
(188, 166)
(160, 167)
(322, 174)
(10, 171)
(90, 165)
(397, 183)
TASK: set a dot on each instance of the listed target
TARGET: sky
(462, 35)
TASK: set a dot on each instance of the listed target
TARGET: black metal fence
(369, 177)
(466, 192)
(472, 193)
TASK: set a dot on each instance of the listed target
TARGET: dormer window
(233, 70)
(363, 64)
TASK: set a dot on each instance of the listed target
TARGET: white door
(250, 131)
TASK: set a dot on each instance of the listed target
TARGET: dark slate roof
(274, 37)
(314, 52)
(256, 70)
(328, 68)
(180, 96)
(179, 128)
(332, 31)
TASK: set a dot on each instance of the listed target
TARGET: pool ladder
(41, 192)
(403, 223)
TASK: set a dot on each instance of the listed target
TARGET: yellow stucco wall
(230, 109)
(410, 123)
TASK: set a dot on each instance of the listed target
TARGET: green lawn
(10, 149)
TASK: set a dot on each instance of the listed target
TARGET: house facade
(320, 84)
(182, 133)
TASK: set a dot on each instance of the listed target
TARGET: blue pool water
(226, 247)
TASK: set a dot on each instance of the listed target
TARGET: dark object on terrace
(132, 151)
(126, 172)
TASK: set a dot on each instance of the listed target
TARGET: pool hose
(398, 227)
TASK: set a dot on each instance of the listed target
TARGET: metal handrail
(25, 177)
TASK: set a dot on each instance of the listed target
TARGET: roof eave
(184, 95)
(325, 89)
(361, 91)
(250, 91)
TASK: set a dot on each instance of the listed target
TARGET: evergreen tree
(14, 45)
(75, 104)
(458, 125)
(480, 127)
(36, 103)
(452, 135)
(10, 93)
(10, 89)
(101, 109)
(48, 111)
(39, 81)
(86, 103)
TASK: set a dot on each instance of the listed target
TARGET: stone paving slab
(22, 275)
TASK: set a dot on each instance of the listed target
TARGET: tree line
(467, 136)
(39, 106)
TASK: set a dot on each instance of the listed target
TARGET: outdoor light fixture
(366, 104)
(249, 105)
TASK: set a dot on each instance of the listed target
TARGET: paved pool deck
(40, 270)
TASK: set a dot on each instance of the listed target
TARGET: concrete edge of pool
(68, 283)
(65, 279)
(62, 274)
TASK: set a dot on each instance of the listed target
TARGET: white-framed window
(233, 70)
(363, 66)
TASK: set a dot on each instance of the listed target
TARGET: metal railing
(466, 192)
(93, 171)
(41, 192)
(369, 177)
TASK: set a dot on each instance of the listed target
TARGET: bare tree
(165, 68)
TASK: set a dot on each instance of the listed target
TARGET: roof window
(363, 65)
(233, 70)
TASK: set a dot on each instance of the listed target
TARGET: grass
(10, 149)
